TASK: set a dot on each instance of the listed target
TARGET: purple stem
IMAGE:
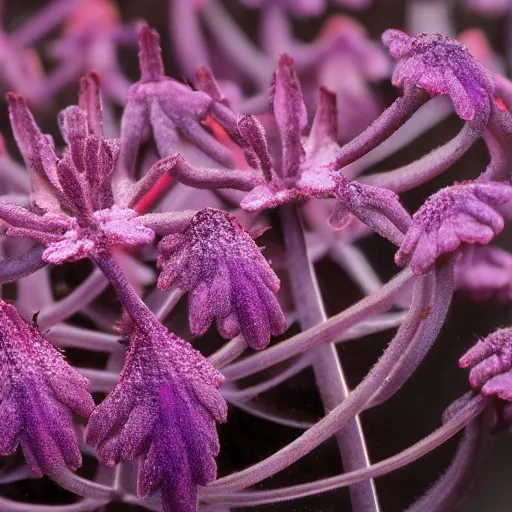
(329, 374)
(186, 37)
(253, 498)
(63, 335)
(43, 22)
(16, 268)
(229, 352)
(87, 505)
(448, 492)
(383, 127)
(337, 418)
(429, 166)
(327, 332)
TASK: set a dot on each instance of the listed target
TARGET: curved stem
(81, 486)
(229, 352)
(431, 165)
(329, 374)
(437, 305)
(328, 331)
(86, 505)
(253, 498)
(63, 335)
(80, 297)
(385, 125)
(16, 268)
(336, 419)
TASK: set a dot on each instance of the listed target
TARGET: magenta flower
(306, 169)
(490, 361)
(168, 107)
(465, 212)
(78, 183)
(484, 273)
(227, 277)
(441, 65)
(163, 411)
(39, 393)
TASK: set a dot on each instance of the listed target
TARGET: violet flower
(441, 65)
(78, 183)
(165, 107)
(489, 7)
(462, 213)
(227, 277)
(162, 412)
(39, 393)
(490, 361)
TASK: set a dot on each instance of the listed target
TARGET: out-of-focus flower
(441, 65)
(307, 7)
(489, 7)
(363, 61)
(484, 273)
(464, 212)
(162, 411)
(227, 277)
(39, 393)
(90, 41)
(490, 361)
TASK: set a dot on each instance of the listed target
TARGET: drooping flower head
(227, 277)
(72, 202)
(490, 361)
(162, 411)
(39, 393)
(462, 213)
(441, 65)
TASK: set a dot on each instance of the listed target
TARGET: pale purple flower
(305, 167)
(78, 183)
(39, 393)
(441, 65)
(307, 7)
(165, 108)
(162, 411)
(462, 213)
(490, 361)
(227, 277)
(484, 273)
(489, 7)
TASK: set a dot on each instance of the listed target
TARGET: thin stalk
(87, 505)
(253, 498)
(63, 335)
(329, 374)
(336, 419)
(16, 268)
(327, 332)
(229, 352)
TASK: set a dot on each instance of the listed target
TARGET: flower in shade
(39, 393)
(490, 361)
(465, 212)
(305, 162)
(227, 277)
(162, 411)
(169, 108)
(484, 273)
(73, 211)
(441, 65)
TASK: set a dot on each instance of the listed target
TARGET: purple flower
(441, 65)
(78, 183)
(301, 7)
(465, 212)
(484, 273)
(377, 207)
(227, 277)
(490, 361)
(39, 393)
(169, 108)
(163, 410)
(306, 169)
(489, 7)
